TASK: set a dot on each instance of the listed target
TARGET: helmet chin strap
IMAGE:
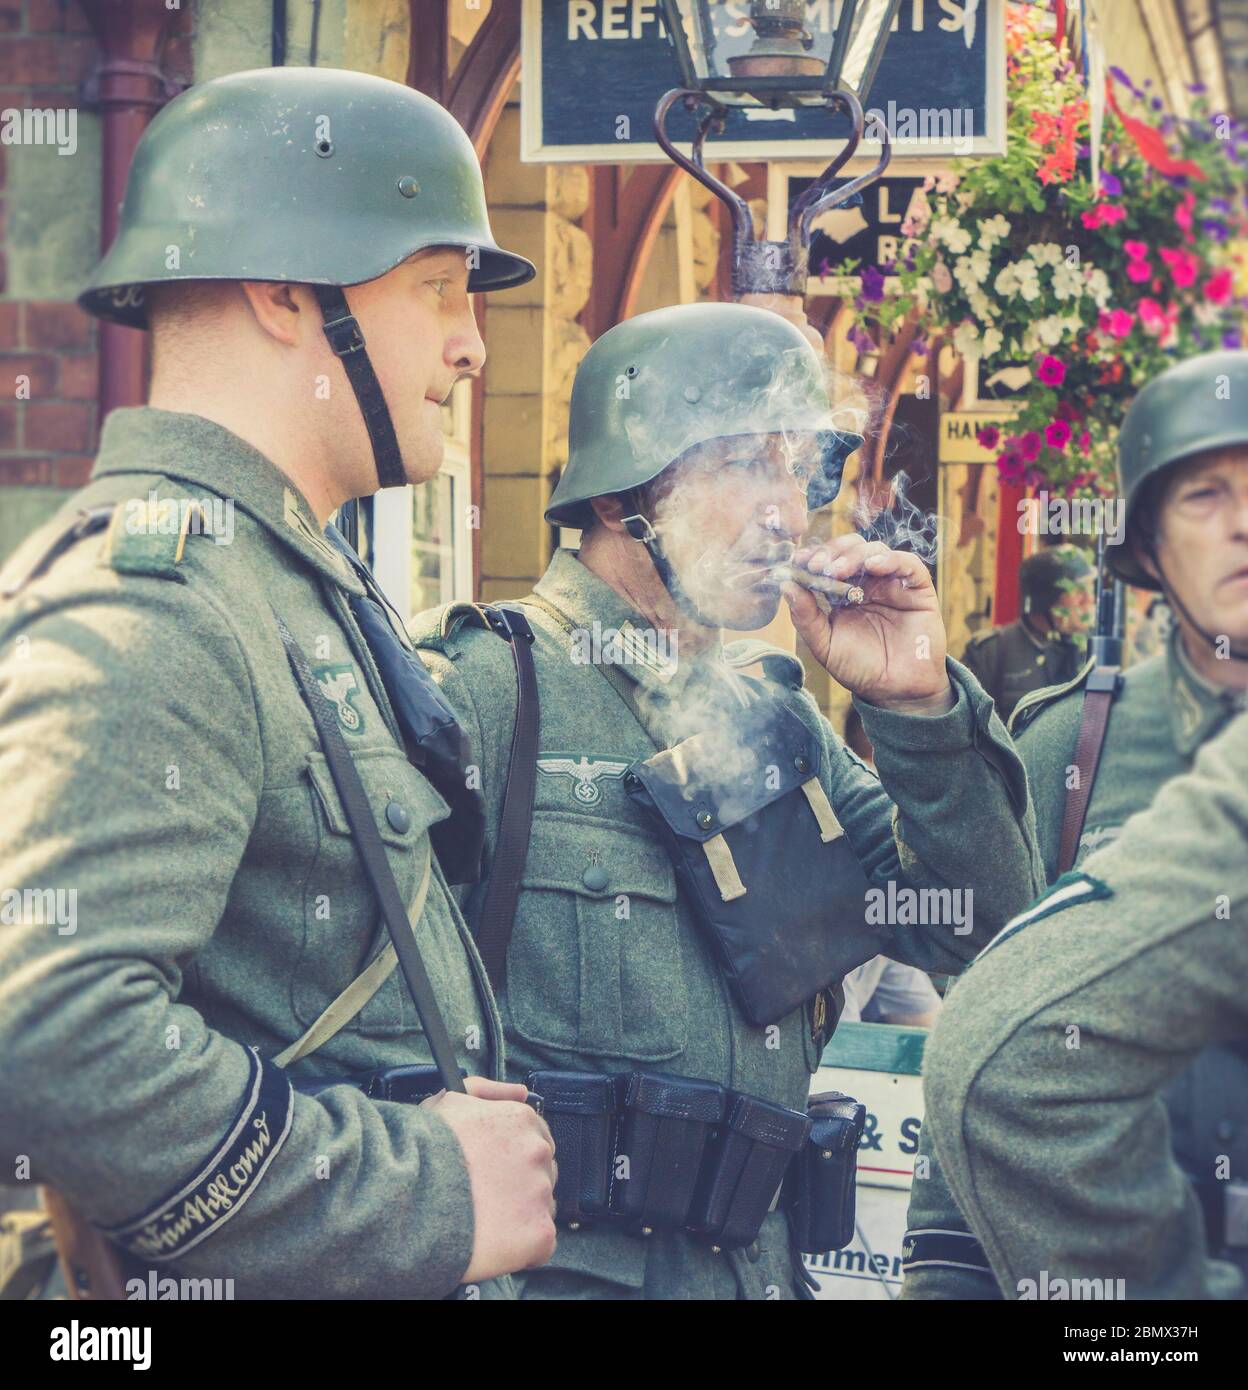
(1175, 602)
(639, 527)
(346, 338)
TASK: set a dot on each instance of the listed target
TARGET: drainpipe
(127, 87)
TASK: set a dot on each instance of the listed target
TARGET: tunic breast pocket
(343, 926)
(594, 965)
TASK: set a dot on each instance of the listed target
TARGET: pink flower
(1085, 442)
(1151, 313)
(1218, 288)
(1112, 213)
(1029, 446)
(1057, 434)
(1092, 218)
(1136, 250)
(1183, 213)
(1052, 371)
(1010, 466)
(1121, 322)
(1158, 321)
(989, 436)
(1184, 266)
(1139, 271)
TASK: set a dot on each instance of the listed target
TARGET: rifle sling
(1098, 700)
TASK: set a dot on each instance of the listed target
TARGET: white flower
(1045, 253)
(981, 306)
(966, 338)
(1050, 330)
(993, 230)
(1006, 282)
(946, 230)
(993, 338)
(1098, 286)
(1067, 281)
(964, 273)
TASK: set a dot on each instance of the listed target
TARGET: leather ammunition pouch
(764, 861)
(642, 1151)
(820, 1194)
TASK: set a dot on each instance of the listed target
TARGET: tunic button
(705, 820)
(801, 764)
(595, 878)
(396, 814)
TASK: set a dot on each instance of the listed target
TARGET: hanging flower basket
(1097, 288)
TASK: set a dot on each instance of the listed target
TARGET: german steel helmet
(1189, 408)
(314, 175)
(655, 386)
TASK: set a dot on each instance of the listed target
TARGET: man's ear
(610, 511)
(279, 310)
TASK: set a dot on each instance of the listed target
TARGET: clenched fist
(510, 1158)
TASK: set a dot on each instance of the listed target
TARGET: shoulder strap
(85, 522)
(376, 865)
(498, 911)
(335, 1017)
(1103, 686)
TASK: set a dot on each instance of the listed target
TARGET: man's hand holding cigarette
(888, 648)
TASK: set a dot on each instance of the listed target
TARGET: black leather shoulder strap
(372, 852)
(498, 912)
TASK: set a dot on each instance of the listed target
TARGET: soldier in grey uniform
(1046, 1074)
(183, 898)
(1183, 461)
(699, 436)
(1045, 646)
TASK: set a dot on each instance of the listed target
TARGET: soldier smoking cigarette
(821, 584)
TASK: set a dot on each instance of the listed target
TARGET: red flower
(1029, 446)
(1066, 411)
(1052, 371)
(988, 436)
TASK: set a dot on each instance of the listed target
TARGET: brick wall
(47, 348)
(49, 238)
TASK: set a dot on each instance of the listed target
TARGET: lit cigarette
(821, 584)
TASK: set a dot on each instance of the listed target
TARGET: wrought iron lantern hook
(769, 267)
